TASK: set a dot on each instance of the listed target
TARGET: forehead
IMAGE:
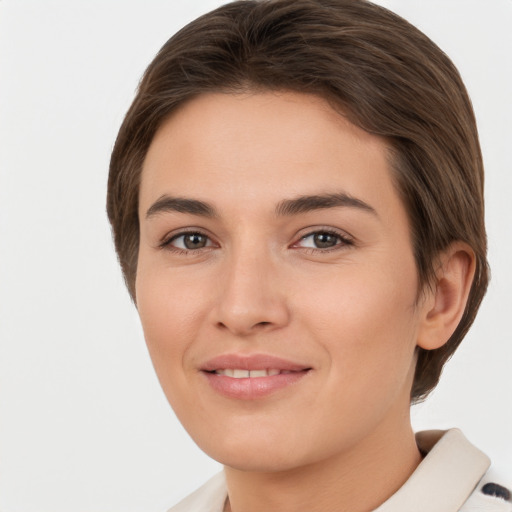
(263, 145)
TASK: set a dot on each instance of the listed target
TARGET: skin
(257, 282)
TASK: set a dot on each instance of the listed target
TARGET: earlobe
(444, 305)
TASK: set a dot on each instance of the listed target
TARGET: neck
(358, 480)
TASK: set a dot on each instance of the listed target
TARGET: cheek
(368, 336)
(367, 323)
(170, 320)
(169, 311)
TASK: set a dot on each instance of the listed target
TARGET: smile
(250, 377)
(251, 374)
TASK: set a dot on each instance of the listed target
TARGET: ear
(443, 305)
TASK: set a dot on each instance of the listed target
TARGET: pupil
(194, 241)
(323, 240)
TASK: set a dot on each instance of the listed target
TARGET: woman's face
(276, 282)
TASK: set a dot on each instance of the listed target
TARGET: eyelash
(343, 242)
(167, 242)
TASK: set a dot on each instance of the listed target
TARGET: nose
(251, 297)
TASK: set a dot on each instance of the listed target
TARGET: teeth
(244, 374)
(258, 373)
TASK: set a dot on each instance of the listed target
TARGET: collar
(444, 479)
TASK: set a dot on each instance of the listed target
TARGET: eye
(323, 239)
(190, 241)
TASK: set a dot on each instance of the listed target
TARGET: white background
(84, 425)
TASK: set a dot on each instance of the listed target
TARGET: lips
(248, 377)
(238, 373)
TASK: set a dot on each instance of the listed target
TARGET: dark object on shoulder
(496, 490)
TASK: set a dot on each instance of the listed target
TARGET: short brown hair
(374, 67)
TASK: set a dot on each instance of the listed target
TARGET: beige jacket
(453, 477)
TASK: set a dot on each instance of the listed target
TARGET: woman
(296, 196)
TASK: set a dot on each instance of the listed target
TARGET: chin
(267, 452)
(256, 461)
(255, 453)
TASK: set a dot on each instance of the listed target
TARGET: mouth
(252, 377)
(238, 373)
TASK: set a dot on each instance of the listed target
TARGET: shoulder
(492, 494)
(210, 497)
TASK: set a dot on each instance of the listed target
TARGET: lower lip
(252, 388)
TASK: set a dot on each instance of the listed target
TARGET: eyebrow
(182, 205)
(287, 207)
(304, 204)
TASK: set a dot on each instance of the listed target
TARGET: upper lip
(251, 362)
